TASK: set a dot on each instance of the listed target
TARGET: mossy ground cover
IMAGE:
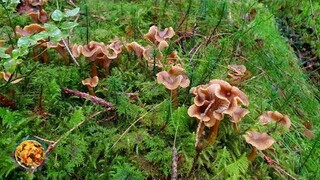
(135, 140)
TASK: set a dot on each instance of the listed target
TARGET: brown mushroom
(137, 49)
(237, 115)
(96, 53)
(29, 30)
(91, 83)
(8, 76)
(37, 2)
(158, 37)
(38, 16)
(259, 141)
(172, 79)
(239, 74)
(270, 116)
(222, 99)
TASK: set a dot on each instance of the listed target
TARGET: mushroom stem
(213, 132)
(252, 154)
(235, 127)
(94, 70)
(199, 135)
(174, 98)
(106, 68)
(91, 92)
(45, 56)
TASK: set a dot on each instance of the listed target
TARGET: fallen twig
(93, 99)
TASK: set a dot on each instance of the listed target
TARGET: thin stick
(126, 131)
(68, 49)
(174, 175)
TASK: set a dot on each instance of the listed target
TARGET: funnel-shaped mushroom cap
(156, 36)
(173, 78)
(92, 82)
(37, 2)
(135, 47)
(151, 34)
(94, 50)
(6, 76)
(261, 141)
(275, 116)
(238, 70)
(209, 118)
(238, 114)
(162, 44)
(39, 16)
(116, 46)
(167, 33)
(29, 30)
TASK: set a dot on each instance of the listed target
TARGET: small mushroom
(158, 37)
(38, 16)
(270, 116)
(29, 30)
(172, 79)
(37, 2)
(8, 76)
(137, 49)
(259, 141)
(237, 115)
(239, 74)
(97, 53)
(91, 83)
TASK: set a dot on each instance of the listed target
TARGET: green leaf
(54, 32)
(16, 53)
(26, 41)
(11, 65)
(41, 35)
(68, 25)
(57, 15)
(72, 12)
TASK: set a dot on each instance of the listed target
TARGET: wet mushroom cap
(29, 30)
(173, 78)
(92, 82)
(261, 141)
(238, 114)
(237, 69)
(274, 116)
(37, 2)
(135, 47)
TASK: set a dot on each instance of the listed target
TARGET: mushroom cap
(275, 116)
(38, 16)
(37, 2)
(238, 114)
(95, 50)
(162, 44)
(156, 36)
(173, 78)
(135, 47)
(261, 141)
(116, 46)
(6, 76)
(238, 70)
(92, 82)
(29, 30)
(209, 118)
(151, 34)
(167, 33)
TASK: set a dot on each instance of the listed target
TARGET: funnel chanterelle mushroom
(270, 116)
(259, 141)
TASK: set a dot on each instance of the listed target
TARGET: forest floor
(132, 125)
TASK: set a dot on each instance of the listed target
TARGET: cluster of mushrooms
(33, 9)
